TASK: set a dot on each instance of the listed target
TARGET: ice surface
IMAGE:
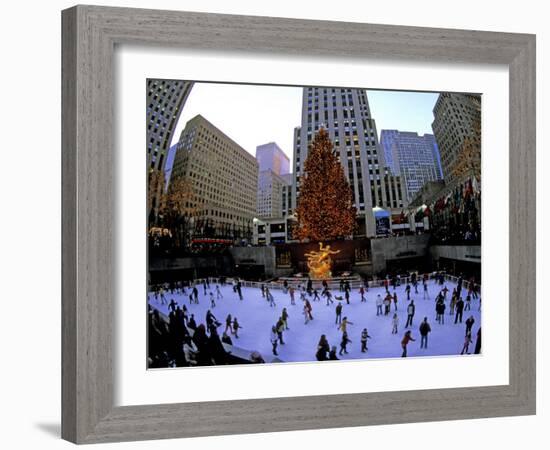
(256, 317)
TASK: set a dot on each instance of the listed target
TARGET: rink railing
(354, 282)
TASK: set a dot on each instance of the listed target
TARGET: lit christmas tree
(324, 209)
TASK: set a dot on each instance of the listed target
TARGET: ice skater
(362, 294)
(239, 290)
(338, 313)
(395, 323)
(346, 295)
(284, 316)
(291, 293)
(469, 324)
(274, 340)
(344, 343)
(270, 297)
(405, 341)
(280, 327)
(316, 297)
(426, 295)
(410, 314)
(236, 327)
(379, 302)
(162, 296)
(212, 301)
(364, 336)
(387, 303)
(328, 296)
(467, 342)
(459, 310)
(395, 301)
(467, 307)
(307, 310)
(424, 329)
(344, 325)
(228, 323)
(219, 295)
(452, 305)
(440, 312)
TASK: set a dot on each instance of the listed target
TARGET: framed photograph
(268, 230)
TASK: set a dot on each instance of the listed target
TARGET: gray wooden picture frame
(90, 34)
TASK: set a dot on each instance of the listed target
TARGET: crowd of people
(178, 340)
(181, 339)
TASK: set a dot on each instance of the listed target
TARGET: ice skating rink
(256, 318)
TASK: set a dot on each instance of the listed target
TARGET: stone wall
(395, 248)
(468, 253)
(264, 256)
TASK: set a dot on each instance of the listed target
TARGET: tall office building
(165, 101)
(414, 157)
(456, 117)
(345, 114)
(270, 195)
(386, 141)
(271, 157)
(223, 177)
(273, 165)
(287, 194)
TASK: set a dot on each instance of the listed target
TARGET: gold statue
(319, 262)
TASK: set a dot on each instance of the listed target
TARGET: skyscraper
(386, 140)
(273, 165)
(223, 177)
(414, 157)
(456, 118)
(165, 101)
(271, 157)
(271, 189)
(345, 114)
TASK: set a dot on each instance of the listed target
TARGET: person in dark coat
(226, 339)
(228, 323)
(477, 349)
(459, 310)
(440, 311)
(217, 352)
(211, 321)
(424, 330)
(332, 355)
(469, 324)
(200, 339)
(322, 349)
(191, 322)
(339, 313)
(345, 341)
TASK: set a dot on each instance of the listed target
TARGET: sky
(252, 115)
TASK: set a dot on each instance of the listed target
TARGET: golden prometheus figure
(319, 262)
